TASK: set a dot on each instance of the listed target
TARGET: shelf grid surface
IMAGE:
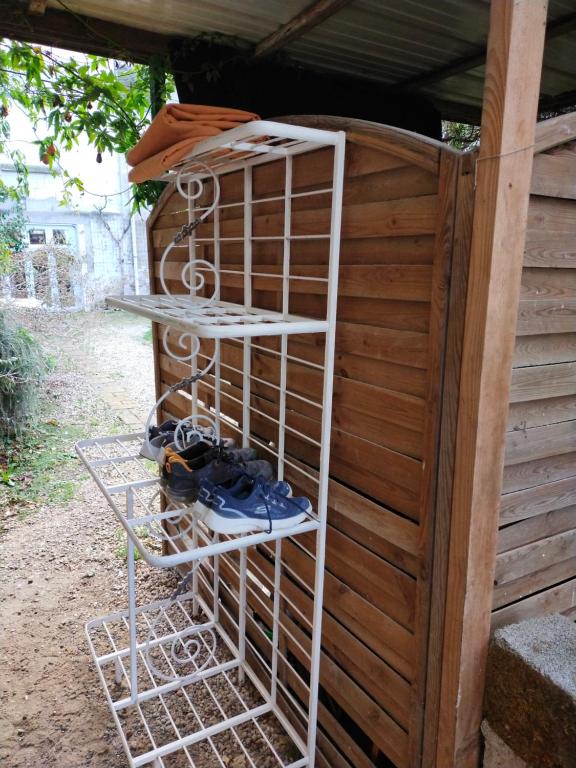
(194, 721)
(229, 670)
(219, 320)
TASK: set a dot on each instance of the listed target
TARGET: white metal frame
(230, 630)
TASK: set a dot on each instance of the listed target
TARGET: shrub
(22, 368)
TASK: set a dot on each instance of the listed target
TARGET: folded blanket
(177, 122)
(162, 161)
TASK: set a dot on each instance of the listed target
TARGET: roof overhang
(435, 49)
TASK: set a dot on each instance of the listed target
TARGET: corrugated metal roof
(390, 41)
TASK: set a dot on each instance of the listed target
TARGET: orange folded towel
(175, 123)
(162, 161)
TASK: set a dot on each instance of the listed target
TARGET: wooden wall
(399, 211)
(536, 564)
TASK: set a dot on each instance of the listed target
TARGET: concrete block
(531, 690)
(497, 754)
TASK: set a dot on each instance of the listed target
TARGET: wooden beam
(313, 14)
(504, 167)
(86, 35)
(557, 28)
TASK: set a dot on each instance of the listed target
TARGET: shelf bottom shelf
(217, 715)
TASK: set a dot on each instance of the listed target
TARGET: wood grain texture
(556, 130)
(558, 599)
(519, 505)
(440, 305)
(451, 384)
(550, 234)
(513, 69)
(554, 175)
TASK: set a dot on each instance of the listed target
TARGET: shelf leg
(195, 565)
(132, 604)
(242, 615)
(276, 618)
(216, 583)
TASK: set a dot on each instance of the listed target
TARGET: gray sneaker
(183, 471)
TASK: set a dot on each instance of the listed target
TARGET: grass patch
(147, 335)
(142, 533)
(40, 467)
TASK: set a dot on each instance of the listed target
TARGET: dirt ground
(62, 565)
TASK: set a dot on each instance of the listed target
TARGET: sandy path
(59, 567)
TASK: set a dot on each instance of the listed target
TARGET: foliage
(12, 234)
(22, 368)
(39, 467)
(460, 135)
(67, 97)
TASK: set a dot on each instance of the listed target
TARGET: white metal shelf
(132, 490)
(230, 668)
(219, 320)
(185, 721)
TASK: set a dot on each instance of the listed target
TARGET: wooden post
(513, 70)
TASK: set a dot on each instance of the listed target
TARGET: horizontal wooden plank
(555, 600)
(550, 235)
(546, 284)
(542, 382)
(540, 442)
(554, 175)
(520, 476)
(418, 249)
(384, 684)
(385, 586)
(388, 639)
(405, 217)
(535, 556)
(537, 413)
(371, 718)
(392, 184)
(525, 586)
(543, 350)
(535, 528)
(403, 348)
(546, 316)
(520, 505)
(383, 404)
(554, 131)
(410, 283)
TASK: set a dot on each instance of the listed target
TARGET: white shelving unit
(231, 665)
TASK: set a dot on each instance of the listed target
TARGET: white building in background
(98, 225)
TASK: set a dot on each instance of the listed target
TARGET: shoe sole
(220, 524)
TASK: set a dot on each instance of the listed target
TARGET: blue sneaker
(250, 506)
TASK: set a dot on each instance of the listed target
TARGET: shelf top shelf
(218, 320)
(259, 141)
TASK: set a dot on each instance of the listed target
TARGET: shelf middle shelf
(131, 486)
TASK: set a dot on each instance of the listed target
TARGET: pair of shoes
(163, 435)
(184, 471)
(250, 504)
